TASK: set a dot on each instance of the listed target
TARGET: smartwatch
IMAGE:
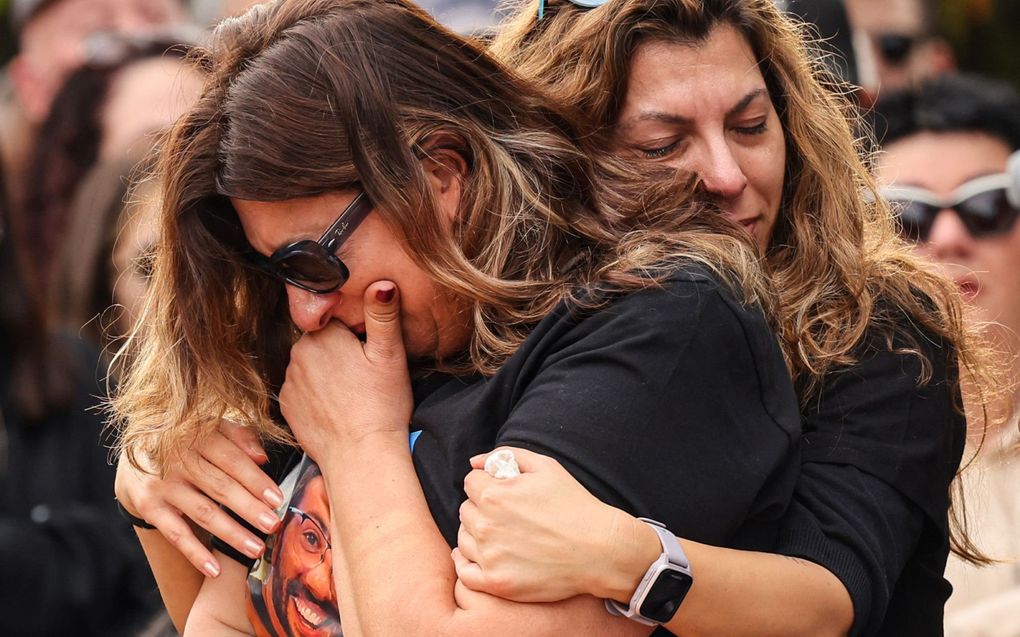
(664, 586)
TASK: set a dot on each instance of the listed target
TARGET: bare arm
(542, 537)
(390, 539)
(184, 507)
(219, 606)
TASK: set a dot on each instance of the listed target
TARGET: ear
(445, 160)
(33, 97)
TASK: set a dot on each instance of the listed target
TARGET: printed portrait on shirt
(291, 591)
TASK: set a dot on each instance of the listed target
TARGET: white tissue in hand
(502, 464)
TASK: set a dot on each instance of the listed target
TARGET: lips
(750, 223)
(359, 331)
(315, 621)
(969, 287)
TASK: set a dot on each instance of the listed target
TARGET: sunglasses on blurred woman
(987, 206)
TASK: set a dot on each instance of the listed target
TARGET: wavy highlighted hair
(305, 97)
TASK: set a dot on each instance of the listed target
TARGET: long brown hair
(837, 263)
(305, 97)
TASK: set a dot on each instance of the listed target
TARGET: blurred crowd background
(85, 87)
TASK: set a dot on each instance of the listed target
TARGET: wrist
(634, 546)
(368, 445)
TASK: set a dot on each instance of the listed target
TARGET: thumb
(384, 340)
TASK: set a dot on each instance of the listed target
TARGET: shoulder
(691, 298)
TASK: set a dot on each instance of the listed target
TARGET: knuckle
(175, 535)
(487, 499)
(499, 584)
(204, 513)
(483, 529)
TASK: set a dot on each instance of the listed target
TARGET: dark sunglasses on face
(310, 265)
(895, 47)
(987, 206)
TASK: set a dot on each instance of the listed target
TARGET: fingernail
(273, 497)
(385, 296)
(211, 569)
(267, 522)
(254, 548)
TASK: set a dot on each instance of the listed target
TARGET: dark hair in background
(69, 140)
(34, 366)
(830, 22)
(949, 104)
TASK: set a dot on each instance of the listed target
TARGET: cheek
(999, 263)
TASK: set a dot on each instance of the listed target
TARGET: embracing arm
(399, 566)
(218, 609)
(515, 537)
(184, 506)
(875, 441)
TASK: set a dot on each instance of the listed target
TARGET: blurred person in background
(951, 163)
(105, 117)
(468, 17)
(830, 22)
(70, 564)
(896, 43)
(51, 43)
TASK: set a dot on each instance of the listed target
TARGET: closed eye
(757, 129)
(659, 151)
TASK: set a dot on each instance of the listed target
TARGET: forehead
(692, 80)
(941, 162)
(98, 13)
(271, 224)
(313, 499)
(876, 16)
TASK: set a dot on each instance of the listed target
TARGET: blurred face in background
(132, 256)
(987, 268)
(144, 98)
(894, 45)
(52, 43)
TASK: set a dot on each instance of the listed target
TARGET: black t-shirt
(879, 453)
(673, 404)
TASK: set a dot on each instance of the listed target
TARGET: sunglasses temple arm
(347, 222)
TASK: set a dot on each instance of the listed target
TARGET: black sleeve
(879, 452)
(672, 404)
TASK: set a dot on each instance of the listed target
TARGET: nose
(319, 581)
(949, 238)
(720, 172)
(311, 312)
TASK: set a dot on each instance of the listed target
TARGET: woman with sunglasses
(442, 253)
(951, 165)
(726, 89)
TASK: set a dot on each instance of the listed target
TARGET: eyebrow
(672, 118)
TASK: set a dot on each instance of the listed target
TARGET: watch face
(664, 595)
